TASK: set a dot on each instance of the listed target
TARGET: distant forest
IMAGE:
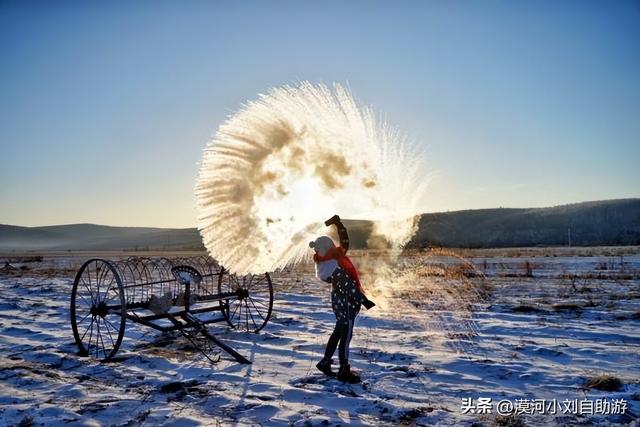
(600, 223)
(615, 222)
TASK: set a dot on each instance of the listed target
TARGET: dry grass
(499, 421)
(566, 307)
(524, 308)
(508, 421)
(552, 252)
(604, 382)
(26, 422)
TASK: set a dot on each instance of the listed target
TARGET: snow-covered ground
(544, 330)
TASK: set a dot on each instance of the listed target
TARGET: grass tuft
(523, 308)
(604, 382)
(508, 421)
(26, 422)
(567, 307)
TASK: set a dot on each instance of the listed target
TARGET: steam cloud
(294, 157)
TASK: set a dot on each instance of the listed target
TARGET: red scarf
(338, 253)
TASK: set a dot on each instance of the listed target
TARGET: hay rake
(177, 294)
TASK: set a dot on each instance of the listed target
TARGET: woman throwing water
(333, 266)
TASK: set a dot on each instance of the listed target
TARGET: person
(347, 295)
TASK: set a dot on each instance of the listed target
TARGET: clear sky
(105, 107)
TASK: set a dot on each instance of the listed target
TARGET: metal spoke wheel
(251, 309)
(98, 309)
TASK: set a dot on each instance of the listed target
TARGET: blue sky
(105, 107)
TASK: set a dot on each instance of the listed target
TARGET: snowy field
(552, 319)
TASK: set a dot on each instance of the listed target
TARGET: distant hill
(91, 237)
(609, 222)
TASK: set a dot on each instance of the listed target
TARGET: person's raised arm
(342, 231)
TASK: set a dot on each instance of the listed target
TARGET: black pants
(340, 338)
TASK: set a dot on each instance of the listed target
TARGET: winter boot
(325, 367)
(345, 375)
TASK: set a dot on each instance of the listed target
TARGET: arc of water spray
(292, 158)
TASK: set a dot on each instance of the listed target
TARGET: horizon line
(423, 213)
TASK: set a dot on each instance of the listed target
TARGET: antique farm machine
(167, 294)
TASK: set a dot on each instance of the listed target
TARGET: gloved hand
(334, 220)
(367, 302)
